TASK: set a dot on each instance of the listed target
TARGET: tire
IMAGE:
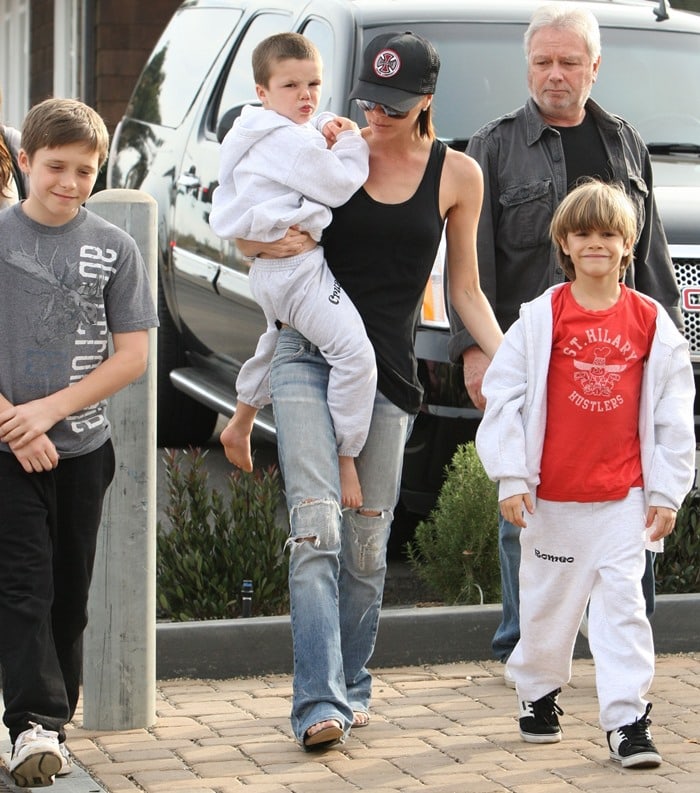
(182, 421)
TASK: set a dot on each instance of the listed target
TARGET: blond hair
(594, 206)
(60, 122)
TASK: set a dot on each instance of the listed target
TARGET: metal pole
(119, 663)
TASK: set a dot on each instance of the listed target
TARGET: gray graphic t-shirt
(63, 291)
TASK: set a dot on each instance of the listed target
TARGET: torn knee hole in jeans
(315, 521)
(366, 512)
(311, 537)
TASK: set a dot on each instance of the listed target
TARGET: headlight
(434, 311)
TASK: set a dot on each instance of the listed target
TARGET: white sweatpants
(301, 292)
(571, 551)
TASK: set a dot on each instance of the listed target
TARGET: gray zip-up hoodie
(275, 173)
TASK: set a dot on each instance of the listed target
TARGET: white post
(119, 664)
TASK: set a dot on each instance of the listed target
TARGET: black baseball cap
(397, 69)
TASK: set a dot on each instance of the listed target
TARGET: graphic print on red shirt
(591, 448)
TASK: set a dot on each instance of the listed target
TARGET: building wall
(125, 32)
(122, 35)
(14, 61)
(41, 27)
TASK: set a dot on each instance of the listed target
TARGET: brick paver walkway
(442, 729)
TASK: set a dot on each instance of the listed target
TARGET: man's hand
(475, 363)
(512, 509)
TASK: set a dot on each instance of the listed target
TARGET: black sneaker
(539, 722)
(632, 746)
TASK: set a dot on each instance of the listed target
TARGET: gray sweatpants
(570, 551)
(301, 292)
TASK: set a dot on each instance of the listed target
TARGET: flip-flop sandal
(326, 736)
(360, 718)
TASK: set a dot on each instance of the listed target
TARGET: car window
(482, 73)
(239, 86)
(650, 78)
(169, 83)
(321, 33)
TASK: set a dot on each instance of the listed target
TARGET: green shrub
(214, 542)
(678, 567)
(455, 551)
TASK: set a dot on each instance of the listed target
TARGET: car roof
(634, 13)
(369, 13)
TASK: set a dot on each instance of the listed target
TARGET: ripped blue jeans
(337, 558)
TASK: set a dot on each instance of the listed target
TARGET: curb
(218, 649)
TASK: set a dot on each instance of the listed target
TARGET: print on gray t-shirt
(63, 291)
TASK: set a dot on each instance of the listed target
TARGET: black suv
(198, 77)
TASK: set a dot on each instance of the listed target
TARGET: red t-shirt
(591, 446)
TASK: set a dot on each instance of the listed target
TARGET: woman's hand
(293, 243)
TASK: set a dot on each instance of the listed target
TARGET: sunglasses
(363, 104)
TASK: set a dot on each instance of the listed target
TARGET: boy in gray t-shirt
(68, 282)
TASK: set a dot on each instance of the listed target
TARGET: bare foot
(350, 490)
(235, 437)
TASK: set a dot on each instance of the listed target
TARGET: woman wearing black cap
(381, 246)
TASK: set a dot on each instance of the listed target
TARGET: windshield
(650, 78)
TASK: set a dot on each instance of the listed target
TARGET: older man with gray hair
(531, 158)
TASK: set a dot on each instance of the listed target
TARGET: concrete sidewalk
(440, 728)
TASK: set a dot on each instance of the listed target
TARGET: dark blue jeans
(48, 533)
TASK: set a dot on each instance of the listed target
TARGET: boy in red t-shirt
(589, 431)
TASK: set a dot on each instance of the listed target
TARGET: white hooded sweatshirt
(510, 437)
(275, 173)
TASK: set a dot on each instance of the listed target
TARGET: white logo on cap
(387, 63)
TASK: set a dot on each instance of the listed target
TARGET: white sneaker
(67, 761)
(36, 757)
(508, 678)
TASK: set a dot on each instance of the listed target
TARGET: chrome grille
(688, 277)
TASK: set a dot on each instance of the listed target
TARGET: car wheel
(181, 420)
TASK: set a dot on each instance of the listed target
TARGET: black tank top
(382, 255)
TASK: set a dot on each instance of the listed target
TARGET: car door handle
(188, 182)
